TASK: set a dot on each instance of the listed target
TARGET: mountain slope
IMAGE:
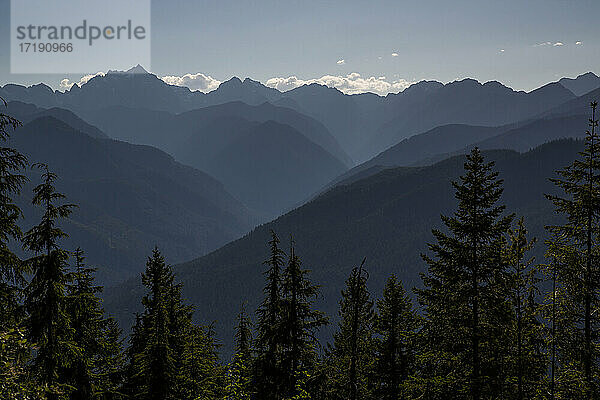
(467, 102)
(386, 217)
(581, 85)
(272, 166)
(312, 129)
(28, 112)
(538, 132)
(579, 105)
(130, 198)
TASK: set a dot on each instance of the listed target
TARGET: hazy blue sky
(442, 40)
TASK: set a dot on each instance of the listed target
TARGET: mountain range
(362, 124)
(130, 198)
(348, 176)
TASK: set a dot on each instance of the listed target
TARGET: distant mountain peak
(466, 82)
(584, 83)
(233, 82)
(248, 81)
(138, 69)
(42, 86)
(494, 83)
(589, 74)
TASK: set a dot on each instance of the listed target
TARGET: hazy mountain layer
(130, 199)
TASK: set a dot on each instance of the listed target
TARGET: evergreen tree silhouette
(269, 375)
(300, 322)
(353, 351)
(46, 301)
(396, 324)
(526, 355)
(11, 268)
(574, 245)
(463, 300)
(95, 371)
(14, 346)
(239, 375)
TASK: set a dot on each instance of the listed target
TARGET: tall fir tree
(527, 364)
(153, 357)
(239, 374)
(111, 364)
(268, 371)
(574, 246)
(11, 268)
(94, 372)
(15, 348)
(396, 325)
(169, 356)
(353, 353)
(46, 301)
(465, 309)
(300, 323)
(201, 375)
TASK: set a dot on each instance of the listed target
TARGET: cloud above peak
(66, 84)
(199, 81)
(352, 83)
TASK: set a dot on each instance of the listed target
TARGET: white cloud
(350, 84)
(578, 43)
(555, 44)
(394, 54)
(199, 81)
(67, 84)
(341, 62)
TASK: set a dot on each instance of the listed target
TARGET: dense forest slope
(386, 217)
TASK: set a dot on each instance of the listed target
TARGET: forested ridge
(488, 322)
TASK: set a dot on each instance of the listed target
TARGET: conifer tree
(268, 372)
(86, 316)
(111, 363)
(396, 324)
(353, 352)
(46, 301)
(575, 246)
(15, 348)
(526, 356)
(95, 370)
(300, 323)
(169, 356)
(153, 358)
(465, 308)
(239, 377)
(201, 375)
(15, 354)
(11, 267)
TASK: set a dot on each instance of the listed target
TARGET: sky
(379, 46)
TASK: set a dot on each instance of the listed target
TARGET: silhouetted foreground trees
(486, 326)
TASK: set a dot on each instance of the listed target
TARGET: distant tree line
(489, 323)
